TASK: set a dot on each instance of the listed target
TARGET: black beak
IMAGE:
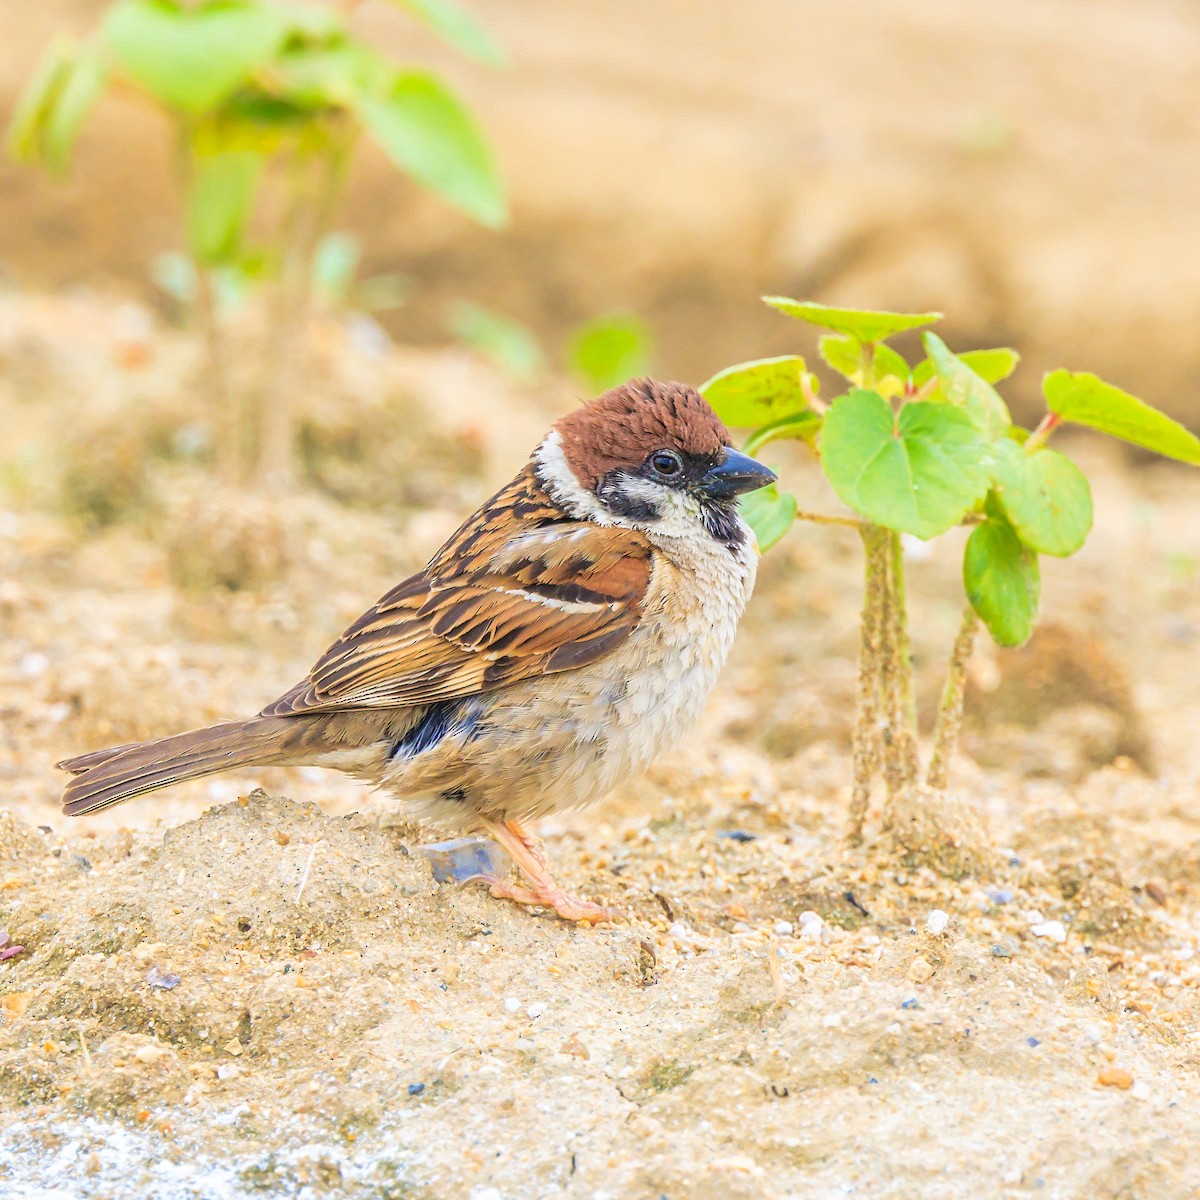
(735, 474)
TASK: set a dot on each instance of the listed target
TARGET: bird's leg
(527, 853)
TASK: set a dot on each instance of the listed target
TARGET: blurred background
(1027, 168)
(287, 288)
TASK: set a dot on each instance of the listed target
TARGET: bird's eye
(666, 463)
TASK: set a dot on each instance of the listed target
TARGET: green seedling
(920, 449)
(267, 100)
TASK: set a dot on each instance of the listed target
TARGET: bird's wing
(522, 602)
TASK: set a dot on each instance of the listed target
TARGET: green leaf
(219, 200)
(960, 385)
(1045, 496)
(192, 58)
(845, 355)
(753, 393)
(336, 76)
(26, 129)
(920, 470)
(802, 426)
(862, 324)
(990, 365)
(427, 132)
(1087, 400)
(609, 350)
(457, 27)
(80, 92)
(1003, 581)
(511, 346)
(770, 513)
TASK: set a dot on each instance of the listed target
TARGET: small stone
(148, 1054)
(811, 926)
(1056, 931)
(228, 1071)
(512, 1004)
(415, 1089)
(937, 921)
(999, 895)
(1115, 1077)
(784, 928)
(911, 1002)
(1140, 1090)
(162, 980)
(920, 970)
(574, 1047)
(535, 1010)
(1001, 951)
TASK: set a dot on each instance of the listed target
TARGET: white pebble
(831, 1020)
(535, 1010)
(1140, 1090)
(148, 1054)
(784, 928)
(512, 1004)
(680, 932)
(811, 925)
(228, 1071)
(1056, 931)
(937, 921)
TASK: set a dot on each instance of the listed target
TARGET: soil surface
(230, 993)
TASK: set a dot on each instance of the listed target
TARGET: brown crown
(624, 425)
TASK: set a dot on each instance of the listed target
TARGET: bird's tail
(106, 777)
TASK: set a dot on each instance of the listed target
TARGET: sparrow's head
(652, 455)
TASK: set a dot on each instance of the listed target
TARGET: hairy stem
(892, 729)
(950, 710)
(907, 731)
(866, 748)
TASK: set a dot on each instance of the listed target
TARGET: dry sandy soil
(225, 994)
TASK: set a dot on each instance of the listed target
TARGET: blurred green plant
(268, 98)
(918, 450)
(606, 351)
(508, 345)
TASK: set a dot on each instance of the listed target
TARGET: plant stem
(889, 673)
(306, 222)
(224, 405)
(907, 733)
(823, 519)
(950, 710)
(866, 721)
(1038, 438)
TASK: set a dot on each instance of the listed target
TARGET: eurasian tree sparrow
(561, 639)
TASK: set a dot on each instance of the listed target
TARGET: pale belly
(564, 741)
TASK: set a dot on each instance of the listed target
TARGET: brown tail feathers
(107, 777)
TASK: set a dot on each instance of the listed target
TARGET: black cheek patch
(611, 492)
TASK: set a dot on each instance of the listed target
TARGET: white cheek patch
(559, 480)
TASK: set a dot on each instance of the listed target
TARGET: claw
(544, 891)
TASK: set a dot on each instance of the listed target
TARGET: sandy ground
(233, 995)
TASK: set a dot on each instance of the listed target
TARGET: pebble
(1115, 1077)
(999, 895)
(920, 970)
(535, 1010)
(148, 1054)
(784, 928)
(162, 980)
(512, 1004)
(811, 926)
(228, 1071)
(415, 1089)
(937, 921)
(1056, 931)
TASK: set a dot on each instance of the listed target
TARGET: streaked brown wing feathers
(515, 603)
